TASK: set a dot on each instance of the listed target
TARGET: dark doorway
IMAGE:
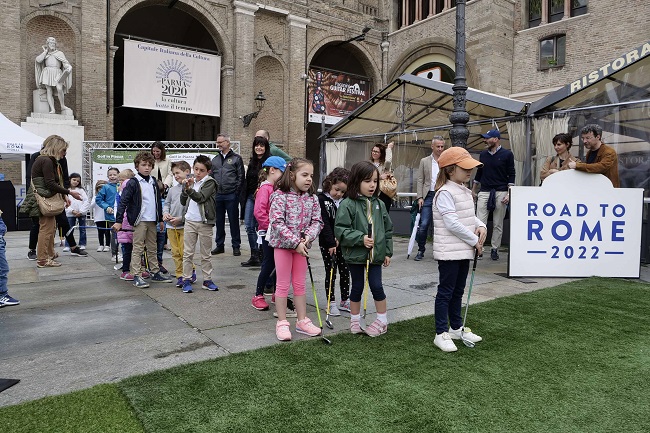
(165, 26)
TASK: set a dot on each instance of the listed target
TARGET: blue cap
(492, 133)
(275, 161)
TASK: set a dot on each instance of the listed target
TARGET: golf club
(365, 289)
(466, 342)
(329, 293)
(313, 289)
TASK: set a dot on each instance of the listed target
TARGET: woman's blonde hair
(53, 146)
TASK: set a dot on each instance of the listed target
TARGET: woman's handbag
(50, 206)
(389, 185)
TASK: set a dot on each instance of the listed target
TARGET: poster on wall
(159, 77)
(335, 95)
(575, 225)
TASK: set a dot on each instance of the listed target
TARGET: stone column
(10, 85)
(447, 5)
(243, 91)
(228, 115)
(110, 130)
(567, 9)
(418, 10)
(297, 102)
(544, 12)
(92, 72)
(432, 8)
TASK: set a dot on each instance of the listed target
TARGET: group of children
(350, 221)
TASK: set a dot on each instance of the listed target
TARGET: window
(578, 7)
(556, 12)
(534, 13)
(552, 52)
(550, 11)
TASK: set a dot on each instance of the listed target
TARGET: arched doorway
(162, 25)
(337, 65)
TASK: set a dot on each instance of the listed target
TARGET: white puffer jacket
(446, 245)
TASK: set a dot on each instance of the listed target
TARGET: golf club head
(468, 343)
(328, 322)
(326, 341)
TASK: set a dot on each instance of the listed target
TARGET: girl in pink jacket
(294, 222)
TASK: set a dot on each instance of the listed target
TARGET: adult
(260, 153)
(54, 72)
(228, 171)
(275, 150)
(47, 178)
(561, 143)
(492, 181)
(601, 158)
(381, 156)
(162, 169)
(61, 219)
(427, 175)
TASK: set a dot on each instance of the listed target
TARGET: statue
(54, 71)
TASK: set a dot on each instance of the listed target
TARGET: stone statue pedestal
(39, 98)
(45, 124)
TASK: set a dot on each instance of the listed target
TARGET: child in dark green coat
(365, 234)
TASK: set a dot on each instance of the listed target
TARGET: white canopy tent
(15, 141)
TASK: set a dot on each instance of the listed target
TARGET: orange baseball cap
(458, 156)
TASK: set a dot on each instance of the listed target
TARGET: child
(174, 216)
(77, 210)
(199, 195)
(458, 235)
(334, 188)
(365, 233)
(106, 200)
(294, 222)
(140, 200)
(103, 233)
(5, 299)
(125, 236)
(270, 173)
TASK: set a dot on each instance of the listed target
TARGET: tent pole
(528, 171)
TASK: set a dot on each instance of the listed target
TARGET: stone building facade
(270, 46)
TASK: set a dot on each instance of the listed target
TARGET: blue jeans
(251, 223)
(452, 275)
(268, 264)
(358, 274)
(82, 231)
(426, 218)
(228, 203)
(127, 249)
(4, 266)
(160, 244)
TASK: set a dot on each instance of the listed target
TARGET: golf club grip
(475, 260)
(370, 230)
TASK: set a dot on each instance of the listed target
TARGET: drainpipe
(108, 56)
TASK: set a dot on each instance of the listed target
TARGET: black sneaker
(31, 255)
(419, 256)
(76, 251)
(268, 291)
(140, 283)
(159, 277)
(162, 269)
(217, 250)
(236, 252)
(494, 254)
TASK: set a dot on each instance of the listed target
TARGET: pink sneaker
(305, 326)
(282, 330)
(146, 274)
(376, 328)
(126, 276)
(259, 303)
(355, 327)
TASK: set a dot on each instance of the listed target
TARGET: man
(427, 174)
(600, 158)
(54, 72)
(275, 150)
(228, 171)
(494, 179)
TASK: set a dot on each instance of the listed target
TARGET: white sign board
(575, 225)
(159, 77)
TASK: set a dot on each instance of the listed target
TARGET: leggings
(344, 272)
(290, 268)
(358, 273)
(103, 235)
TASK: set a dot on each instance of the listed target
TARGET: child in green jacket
(365, 234)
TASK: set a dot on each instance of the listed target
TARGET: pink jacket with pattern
(125, 237)
(262, 205)
(292, 214)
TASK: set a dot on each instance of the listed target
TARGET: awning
(412, 103)
(15, 141)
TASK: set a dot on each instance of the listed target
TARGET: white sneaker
(66, 250)
(107, 248)
(82, 247)
(100, 249)
(468, 335)
(443, 341)
(334, 311)
(345, 305)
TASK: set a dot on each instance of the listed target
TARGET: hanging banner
(159, 77)
(575, 225)
(335, 95)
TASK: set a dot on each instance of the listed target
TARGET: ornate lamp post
(459, 117)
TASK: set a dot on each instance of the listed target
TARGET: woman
(382, 156)
(162, 171)
(47, 178)
(562, 143)
(261, 151)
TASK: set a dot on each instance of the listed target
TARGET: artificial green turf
(574, 358)
(102, 408)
